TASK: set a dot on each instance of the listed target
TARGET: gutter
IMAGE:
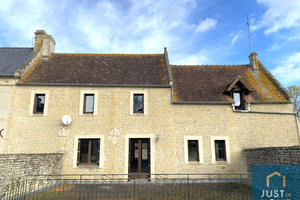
(262, 112)
(93, 85)
(7, 75)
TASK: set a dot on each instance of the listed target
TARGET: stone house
(136, 113)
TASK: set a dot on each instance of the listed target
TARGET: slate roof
(99, 69)
(207, 83)
(12, 58)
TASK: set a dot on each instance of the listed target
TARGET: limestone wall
(166, 124)
(15, 166)
(272, 156)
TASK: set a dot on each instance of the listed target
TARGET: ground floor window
(193, 150)
(220, 150)
(88, 152)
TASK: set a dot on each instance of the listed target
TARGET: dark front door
(139, 158)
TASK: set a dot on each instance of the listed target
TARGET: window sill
(38, 114)
(83, 166)
(220, 163)
(194, 163)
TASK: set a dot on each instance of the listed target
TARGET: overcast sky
(194, 31)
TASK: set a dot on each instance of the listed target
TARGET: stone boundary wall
(15, 166)
(272, 156)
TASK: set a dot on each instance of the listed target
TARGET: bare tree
(295, 92)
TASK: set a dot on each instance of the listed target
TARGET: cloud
(280, 14)
(235, 37)
(206, 25)
(130, 26)
(289, 71)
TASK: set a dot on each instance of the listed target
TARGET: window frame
(32, 104)
(35, 104)
(84, 104)
(89, 151)
(227, 150)
(200, 149)
(101, 153)
(134, 104)
(224, 151)
(145, 102)
(242, 105)
(197, 150)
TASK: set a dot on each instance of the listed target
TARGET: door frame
(152, 151)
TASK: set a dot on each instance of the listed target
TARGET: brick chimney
(45, 42)
(253, 61)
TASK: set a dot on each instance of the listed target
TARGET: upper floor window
(39, 103)
(88, 103)
(138, 103)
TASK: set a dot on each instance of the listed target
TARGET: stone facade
(16, 166)
(166, 125)
(272, 156)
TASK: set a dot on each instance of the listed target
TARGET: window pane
(84, 148)
(220, 150)
(193, 150)
(95, 151)
(237, 99)
(40, 102)
(138, 103)
(89, 103)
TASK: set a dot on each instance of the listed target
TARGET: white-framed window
(193, 149)
(138, 102)
(88, 151)
(220, 149)
(88, 102)
(39, 100)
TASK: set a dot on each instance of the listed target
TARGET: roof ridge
(209, 65)
(112, 54)
(16, 47)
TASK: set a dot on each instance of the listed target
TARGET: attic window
(239, 101)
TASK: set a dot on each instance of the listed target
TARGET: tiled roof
(206, 83)
(97, 69)
(12, 58)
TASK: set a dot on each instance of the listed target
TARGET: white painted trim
(152, 150)
(94, 136)
(32, 97)
(186, 149)
(145, 93)
(227, 147)
(82, 93)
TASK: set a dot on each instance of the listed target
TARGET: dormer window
(237, 89)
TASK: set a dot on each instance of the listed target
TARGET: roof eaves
(95, 85)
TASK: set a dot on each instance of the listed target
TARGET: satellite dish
(66, 120)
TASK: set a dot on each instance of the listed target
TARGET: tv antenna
(249, 33)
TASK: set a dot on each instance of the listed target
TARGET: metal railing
(120, 186)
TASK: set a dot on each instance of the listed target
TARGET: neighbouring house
(136, 113)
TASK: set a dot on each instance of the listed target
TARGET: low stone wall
(272, 156)
(15, 166)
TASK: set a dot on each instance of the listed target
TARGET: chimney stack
(253, 61)
(45, 42)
